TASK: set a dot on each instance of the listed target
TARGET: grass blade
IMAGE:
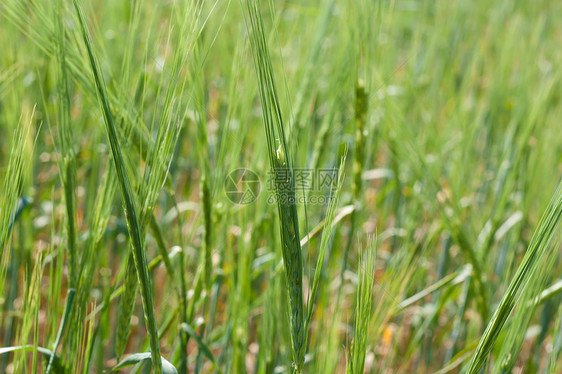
(66, 313)
(358, 349)
(133, 223)
(202, 346)
(53, 358)
(126, 308)
(136, 358)
(538, 249)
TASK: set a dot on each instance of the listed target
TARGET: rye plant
(281, 164)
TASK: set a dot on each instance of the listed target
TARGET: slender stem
(129, 207)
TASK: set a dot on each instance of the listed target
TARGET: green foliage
(539, 256)
(121, 121)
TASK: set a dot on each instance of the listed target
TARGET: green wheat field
(281, 186)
